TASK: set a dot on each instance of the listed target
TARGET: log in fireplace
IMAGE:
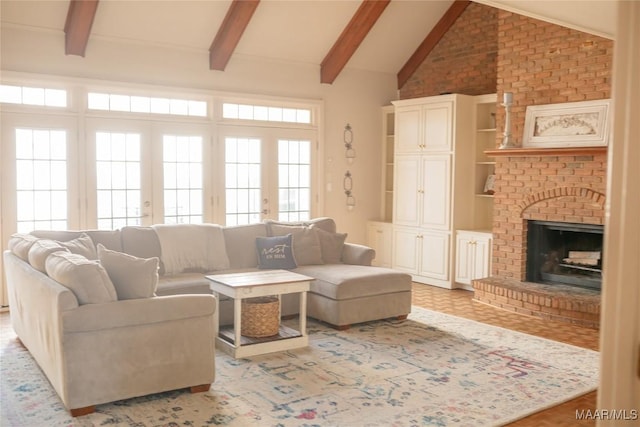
(564, 253)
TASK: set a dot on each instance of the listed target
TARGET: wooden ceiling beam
(230, 32)
(351, 37)
(77, 28)
(432, 39)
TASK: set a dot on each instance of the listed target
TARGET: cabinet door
(374, 242)
(406, 205)
(481, 258)
(379, 238)
(408, 137)
(434, 256)
(464, 259)
(405, 250)
(436, 192)
(437, 122)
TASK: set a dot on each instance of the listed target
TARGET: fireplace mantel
(522, 152)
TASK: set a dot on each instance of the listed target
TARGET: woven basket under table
(260, 317)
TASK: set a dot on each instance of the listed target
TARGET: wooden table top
(258, 278)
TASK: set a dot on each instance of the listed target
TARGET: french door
(40, 184)
(267, 173)
(39, 180)
(143, 173)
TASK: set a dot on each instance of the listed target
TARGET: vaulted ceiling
(376, 35)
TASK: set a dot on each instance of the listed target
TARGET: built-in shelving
(485, 140)
(388, 135)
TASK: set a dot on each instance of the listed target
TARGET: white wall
(355, 97)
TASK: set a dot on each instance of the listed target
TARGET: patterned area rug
(431, 370)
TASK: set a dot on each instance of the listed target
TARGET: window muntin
(266, 113)
(41, 179)
(242, 180)
(146, 104)
(183, 179)
(26, 95)
(118, 182)
(294, 180)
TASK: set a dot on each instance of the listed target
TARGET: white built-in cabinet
(474, 245)
(473, 256)
(434, 185)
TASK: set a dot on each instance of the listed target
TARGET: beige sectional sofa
(99, 344)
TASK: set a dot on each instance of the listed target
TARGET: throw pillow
(331, 244)
(275, 252)
(132, 277)
(141, 242)
(20, 244)
(82, 245)
(87, 279)
(306, 245)
(40, 250)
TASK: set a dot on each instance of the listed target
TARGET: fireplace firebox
(565, 253)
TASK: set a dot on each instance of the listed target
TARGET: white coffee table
(260, 283)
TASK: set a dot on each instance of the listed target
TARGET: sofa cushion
(141, 242)
(238, 239)
(87, 279)
(109, 238)
(40, 250)
(275, 252)
(331, 245)
(306, 244)
(81, 245)
(131, 276)
(20, 244)
(343, 281)
(192, 248)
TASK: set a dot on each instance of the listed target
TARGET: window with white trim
(26, 95)
(146, 104)
(266, 113)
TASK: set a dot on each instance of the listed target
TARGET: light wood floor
(460, 303)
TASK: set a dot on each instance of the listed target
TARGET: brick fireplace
(548, 186)
(542, 63)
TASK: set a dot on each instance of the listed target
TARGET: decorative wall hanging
(571, 124)
(347, 184)
(350, 152)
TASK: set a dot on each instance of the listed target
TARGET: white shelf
(485, 139)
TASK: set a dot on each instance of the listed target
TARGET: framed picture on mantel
(571, 124)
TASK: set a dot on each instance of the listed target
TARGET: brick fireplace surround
(552, 186)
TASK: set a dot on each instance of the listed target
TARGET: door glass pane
(242, 180)
(294, 180)
(183, 181)
(41, 178)
(118, 182)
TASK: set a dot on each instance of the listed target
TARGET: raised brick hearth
(554, 302)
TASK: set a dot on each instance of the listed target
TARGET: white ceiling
(289, 30)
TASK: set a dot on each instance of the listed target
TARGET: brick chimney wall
(543, 63)
(464, 61)
(490, 50)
